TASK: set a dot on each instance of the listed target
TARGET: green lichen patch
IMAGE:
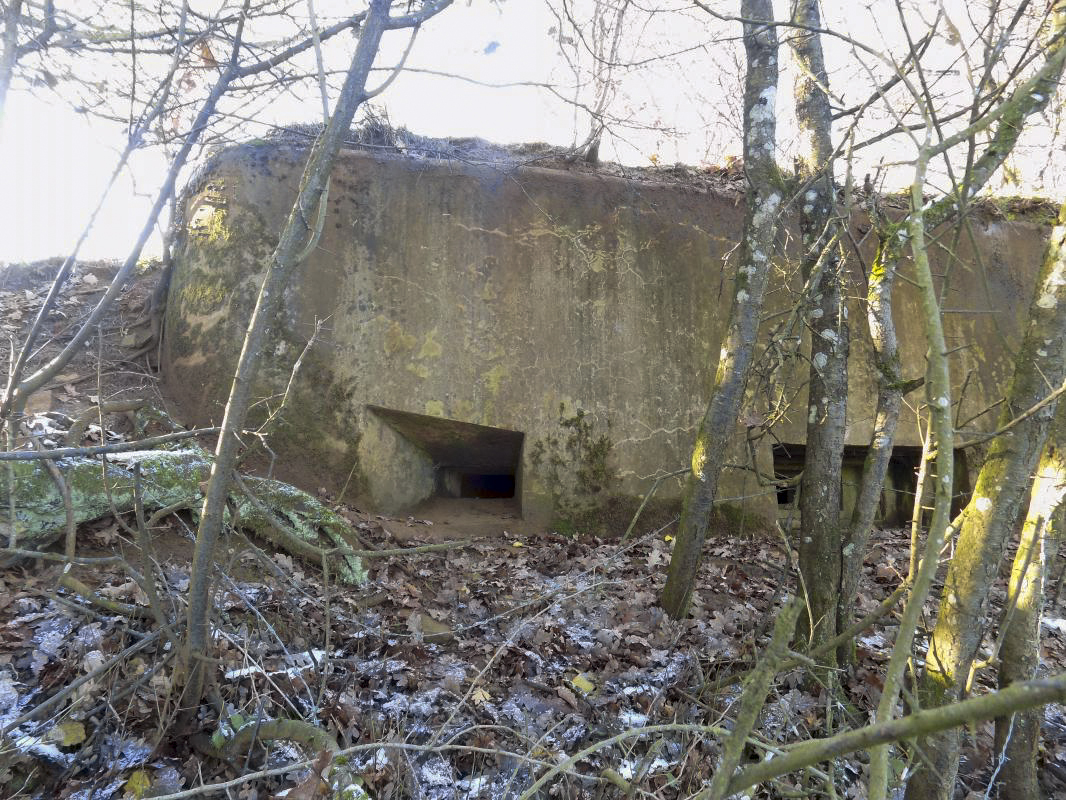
(204, 297)
(306, 518)
(168, 477)
(431, 348)
(397, 340)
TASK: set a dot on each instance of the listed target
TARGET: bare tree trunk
(760, 227)
(892, 387)
(1018, 736)
(292, 248)
(889, 401)
(987, 521)
(827, 404)
(9, 55)
(938, 390)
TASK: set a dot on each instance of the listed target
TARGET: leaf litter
(537, 653)
(457, 674)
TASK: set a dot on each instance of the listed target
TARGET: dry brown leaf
(569, 697)
(314, 786)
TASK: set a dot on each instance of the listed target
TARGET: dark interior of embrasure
(897, 497)
(470, 461)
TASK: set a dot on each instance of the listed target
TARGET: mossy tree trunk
(1018, 736)
(987, 521)
(827, 403)
(764, 195)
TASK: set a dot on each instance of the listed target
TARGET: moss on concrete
(397, 340)
(575, 468)
(204, 297)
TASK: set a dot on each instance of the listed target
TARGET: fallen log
(168, 478)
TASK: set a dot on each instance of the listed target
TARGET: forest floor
(462, 673)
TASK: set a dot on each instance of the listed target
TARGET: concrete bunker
(458, 459)
(505, 298)
(897, 496)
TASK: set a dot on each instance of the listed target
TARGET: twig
(224, 786)
(68, 690)
(166, 511)
(752, 700)
(70, 548)
(1017, 697)
(1051, 398)
(133, 685)
(886, 605)
(654, 488)
(81, 422)
(496, 655)
(144, 542)
(324, 668)
(402, 551)
(118, 447)
(80, 561)
(128, 609)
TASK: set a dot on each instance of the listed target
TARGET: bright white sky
(54, 163)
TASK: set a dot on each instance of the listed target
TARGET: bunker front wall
(584, 312)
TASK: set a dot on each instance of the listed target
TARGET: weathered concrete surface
(516, 299)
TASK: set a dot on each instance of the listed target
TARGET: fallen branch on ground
(1017, 697)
